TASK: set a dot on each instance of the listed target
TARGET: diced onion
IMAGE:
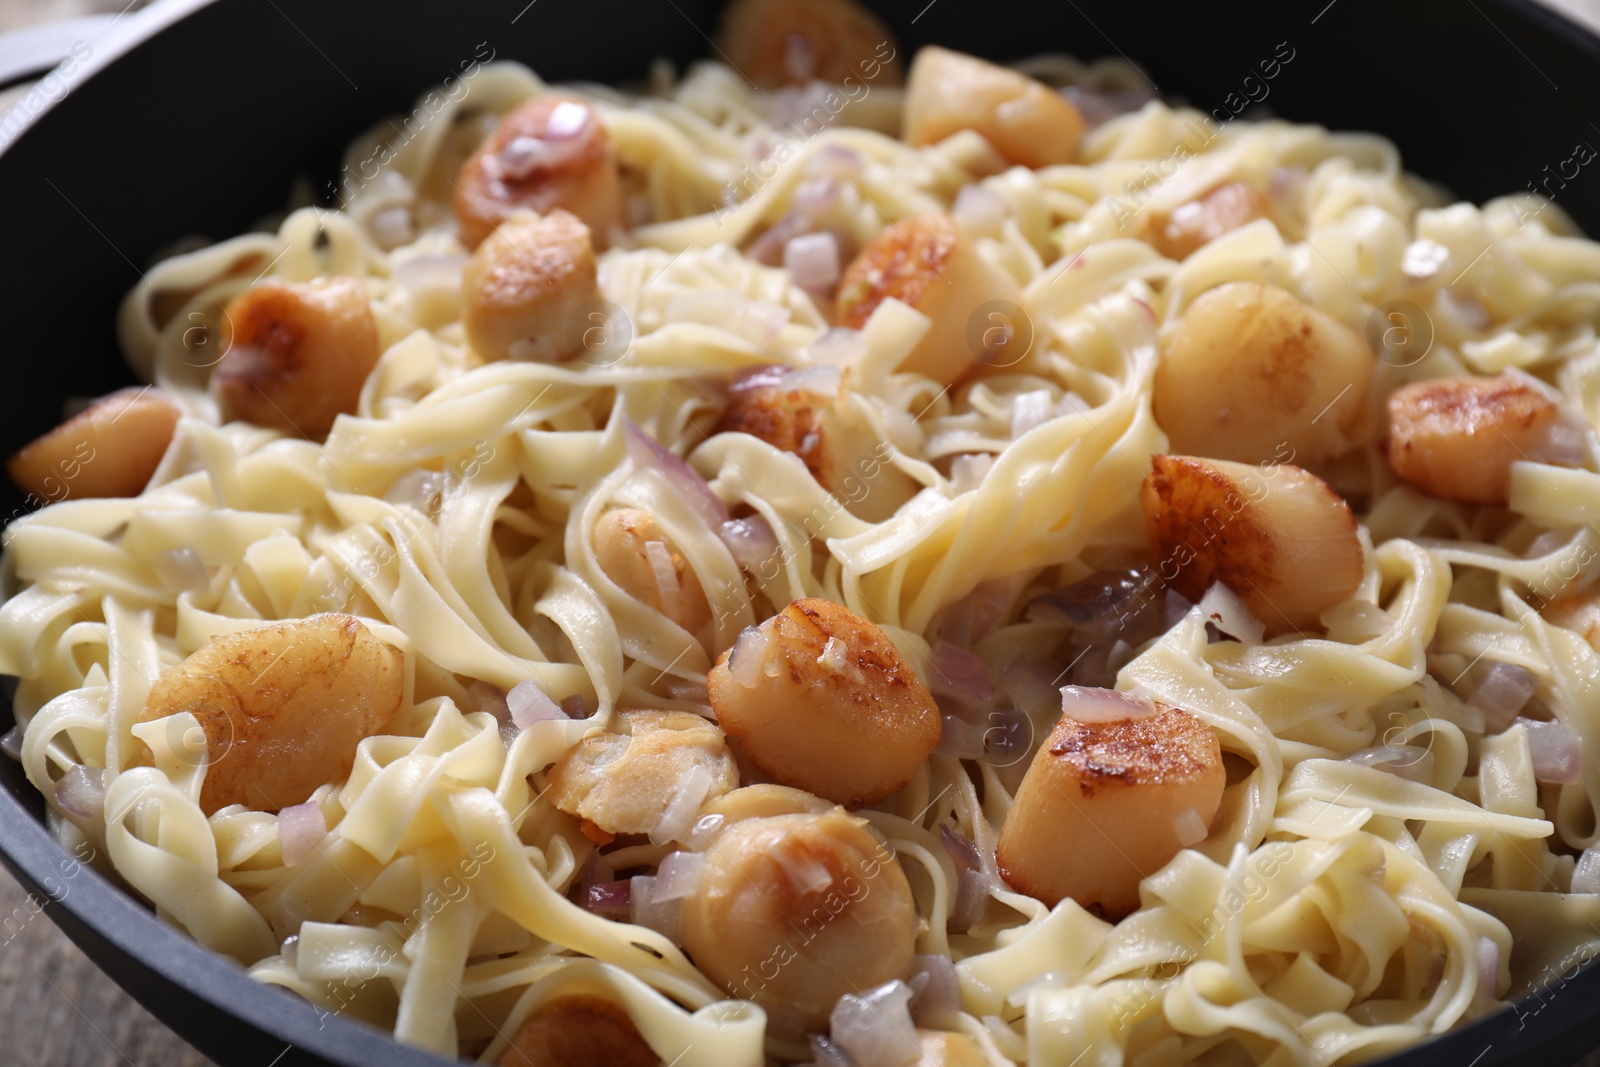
(836, 160)
(648, 454)
(567, 120)
(972, 901)
(1423, 258)
(1190, 828)
(816, 196)
(82, 792)
(662, 916)
(391, 226)
(610, 898)
(678, 876)
(834, 656)
(1030, 410)
(1566, 444)
(963, 852)
(936, 992)
(960, 739)
(979, 210)
(751, 541)
(824, 380)
(876, 1028)
(181, 571)
(1098, 106)
(1586, 875)
(1224, 610)
(1099, 706)
(11, 743)
(666, 575)
(824, 1053)
(1403, 761)
(744, 662)
(529, 704)
(301, 830)
(430, 274)
(839, 347)
(960, 675)
(1504, 691)
(678, 818)
(804, 872)
(1557, 753)
(706, 828)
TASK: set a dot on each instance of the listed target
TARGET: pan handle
(33, 51)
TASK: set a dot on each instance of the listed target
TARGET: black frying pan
(200, 124)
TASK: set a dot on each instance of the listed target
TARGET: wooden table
(68, 1013)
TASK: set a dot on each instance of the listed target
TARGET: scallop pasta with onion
(843, 556)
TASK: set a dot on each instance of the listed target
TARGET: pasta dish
(849, 557)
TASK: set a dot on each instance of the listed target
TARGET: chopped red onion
(181, 571)
(1464, 304)
(1557, 753)
(610, 898)
(1099, 106)
(936, 991)
(960, 675)
(824, 1053)
(1032, 687)
(430, 274)
(769, 247)
(678, 818)
(82, 792)
(1586, 875)
(817, 196)
(1488, 968)
(751, 541)
(960, 739)
(706, 828)
(662, 916)
(597, 870)
(876, 1028)
(975, 614)
(836, 160)
(1566, 443)
(823, 380)
(744, 661)
(1104, 606)
(961, 849)
(529, 704)
(979, 209)
(568, 120)
(839, 347)
(11, 743)
(799, 57)
(803, 871)
(813, 261)
(301, 831)
(678, 876)
(666, 575)
(1504, 691)
(391, 226)
(1189, 827)
(688, 690)
(1099, 706)
(1403, 761)
(1031, 410)
(971, 903)
(1423, 258)
(648, 454)
(1224, 609)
